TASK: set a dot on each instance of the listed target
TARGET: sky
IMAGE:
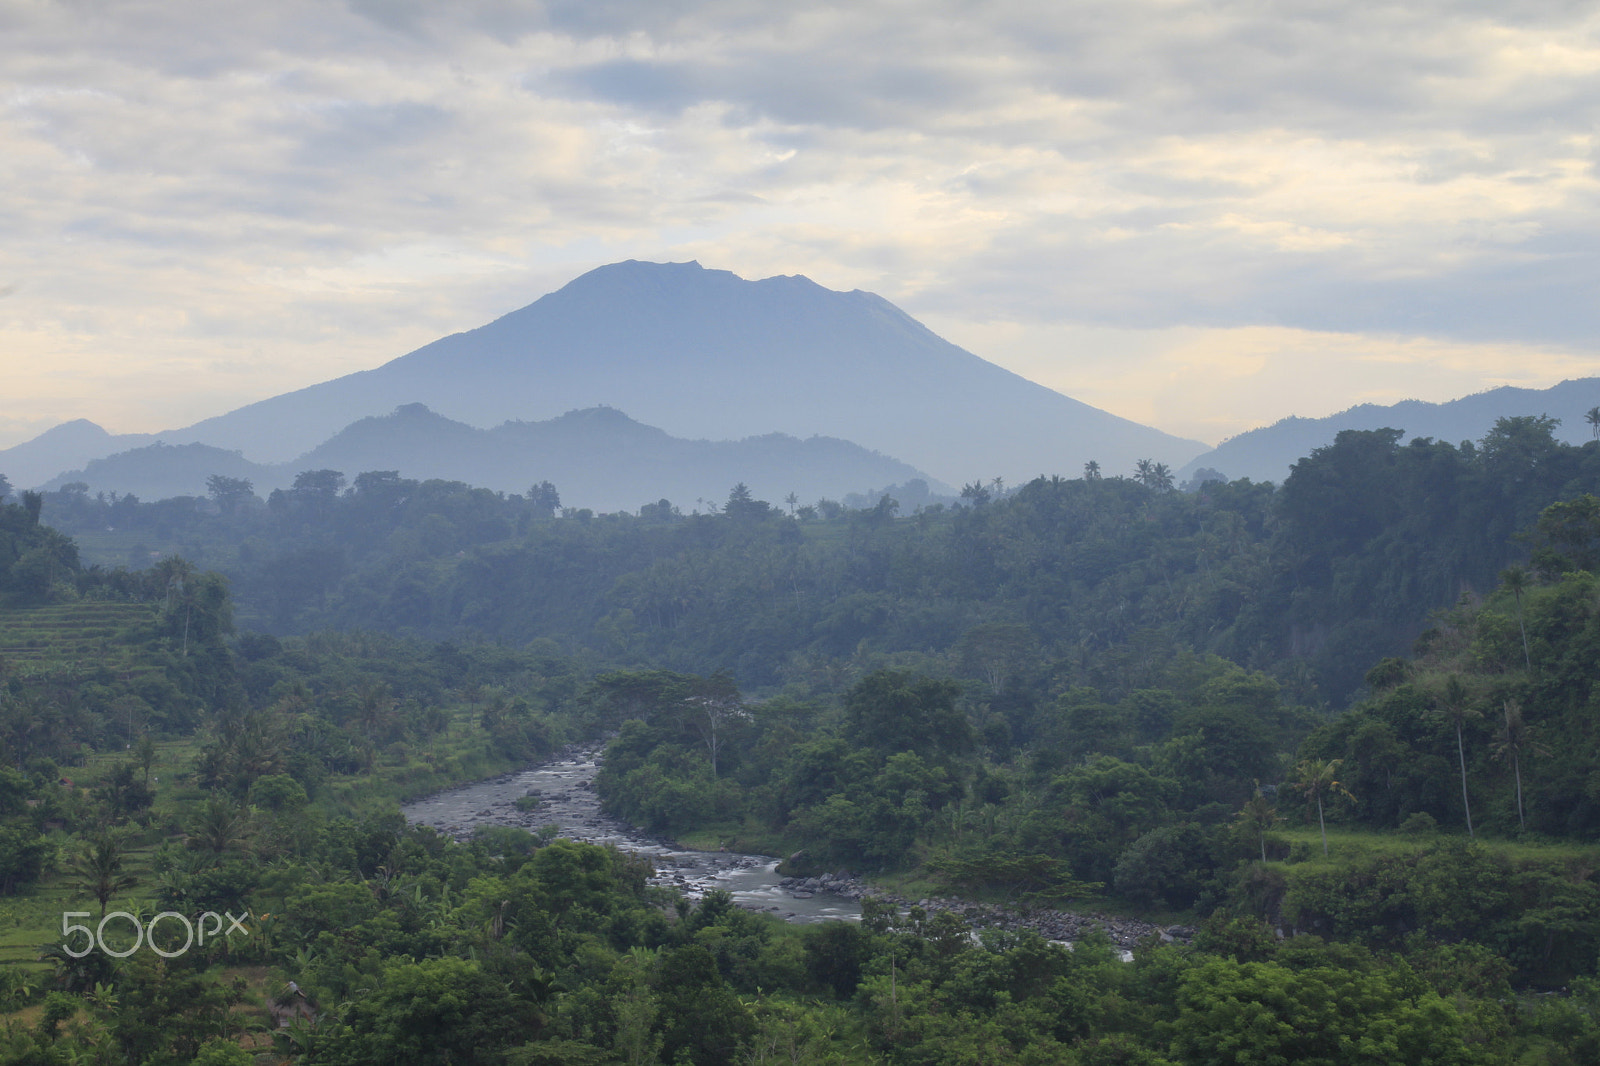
(1204, 216)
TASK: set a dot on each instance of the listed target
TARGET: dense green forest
(1100, 580)
(1343, 727)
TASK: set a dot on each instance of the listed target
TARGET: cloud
(1212, 383)
(300, 188)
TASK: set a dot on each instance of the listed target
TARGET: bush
(1168, 864)
(1419, 824)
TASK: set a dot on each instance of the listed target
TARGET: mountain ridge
(598, 458)
(1267, 452)
(706, 354)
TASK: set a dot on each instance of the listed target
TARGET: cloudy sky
(1200, 215)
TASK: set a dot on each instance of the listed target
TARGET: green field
(75, 637)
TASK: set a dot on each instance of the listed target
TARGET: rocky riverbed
(561, 794)
(1059, 926)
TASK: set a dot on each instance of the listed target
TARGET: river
(565, 789)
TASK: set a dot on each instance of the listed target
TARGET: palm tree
(374, 705)
(1515, 580)
(96, 867)
(1453, 703)
(1513, 739)
(1260, 815)
(220, 826)
(1593, 418)
(1091, 471)
(1316, 778)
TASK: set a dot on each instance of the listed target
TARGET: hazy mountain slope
(601, 458)
(704, 354)
(160, 471)
(64, 447)
(1266, 454)
(597, 458)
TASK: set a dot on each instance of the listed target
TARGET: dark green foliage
(446, 1010)
(23, 854)
(893, 711)
(1253, 1012)
(1544, 918)
(1168, 864)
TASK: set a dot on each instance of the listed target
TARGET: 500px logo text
(145, 933)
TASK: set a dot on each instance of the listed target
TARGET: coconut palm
(1514, 738)
(1515, 580)
(1453, 703)
(1259, 814)
(220, 826)
(1316, 778)
(1593, 418)
(97, 867)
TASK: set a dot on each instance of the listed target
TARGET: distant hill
(705, 354)
(160, 471)
(64, 447)
(598, 458)
(1266, 454)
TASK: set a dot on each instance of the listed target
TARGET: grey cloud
(829, 90)
(305, 133)
(1545, 293)
(338, 133)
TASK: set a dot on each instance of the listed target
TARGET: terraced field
(75, 636)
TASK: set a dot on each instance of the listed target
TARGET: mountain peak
(705, 354)
(79, 429)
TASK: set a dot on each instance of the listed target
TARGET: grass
(1345, 845)
(749, 837)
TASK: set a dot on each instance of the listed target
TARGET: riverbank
(561, 794)
(1058, 925)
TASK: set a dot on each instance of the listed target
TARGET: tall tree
(1515, 580)
(1453, 703)
(1315, 779)
(229, 492)
(544, 499)
(1592, 416)
(713, 704)
(1260, 814)
(1514, 738)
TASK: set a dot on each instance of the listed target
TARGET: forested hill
(155, 768)
(1090, 580)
